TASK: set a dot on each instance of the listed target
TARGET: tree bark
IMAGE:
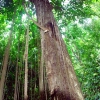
(5, 62)
(16, 75)
(61, 79)
(26, 64)
(16, 80)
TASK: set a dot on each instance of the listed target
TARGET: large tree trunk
(60, 75)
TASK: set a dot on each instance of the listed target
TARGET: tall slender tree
(5, 62)
(16, 75)
(26, 65)
(61, 79)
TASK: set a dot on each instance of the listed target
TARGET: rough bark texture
(60, 75)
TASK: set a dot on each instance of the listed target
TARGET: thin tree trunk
(16, 80)
(5, 62)
(61, 78)
(16, 76)
(31, 82)
(26, 65)
(5, 83)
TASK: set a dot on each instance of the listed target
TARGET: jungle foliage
(79, 24)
